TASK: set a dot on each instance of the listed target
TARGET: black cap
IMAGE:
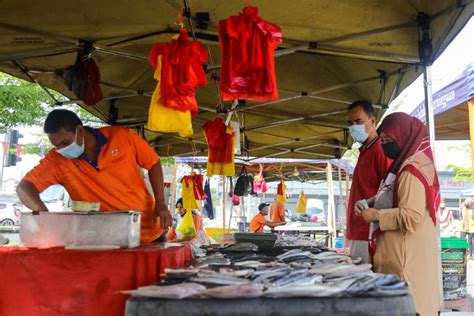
(262, 206)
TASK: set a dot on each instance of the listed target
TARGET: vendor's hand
(358, 208)
(161, 211)
(370, 215)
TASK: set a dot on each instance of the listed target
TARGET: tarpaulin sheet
(71, 282)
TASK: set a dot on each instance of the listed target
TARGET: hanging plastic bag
(281, 192)
(259, 184)
(235, 200)
(244, 185)
(186, 226)
(301, 206)
(189, 199)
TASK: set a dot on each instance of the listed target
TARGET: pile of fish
(240, 271)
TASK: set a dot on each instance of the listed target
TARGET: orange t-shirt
(277, 212)
(116, 182)
(258, 223)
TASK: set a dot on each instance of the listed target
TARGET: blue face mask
(72, 151)
(358, 133)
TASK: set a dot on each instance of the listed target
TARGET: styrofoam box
(69, 229)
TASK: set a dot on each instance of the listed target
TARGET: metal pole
(3, 164)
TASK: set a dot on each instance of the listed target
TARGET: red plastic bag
(248, 67)
(235, 200)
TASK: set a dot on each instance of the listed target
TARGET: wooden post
(331, 209)
(173, 187)
(224, 193)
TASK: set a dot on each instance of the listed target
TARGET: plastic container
(339, 243)
(70, 229)
(264, 241)
(454, 265)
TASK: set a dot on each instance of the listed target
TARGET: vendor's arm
(47, 173)
(274, 224)
(161, 210)
(411, 206)
(30, 196)
(147, 158)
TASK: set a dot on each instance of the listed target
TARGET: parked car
(9, 214)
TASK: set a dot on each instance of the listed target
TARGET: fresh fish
(177, 291)
(248, 290)
(250, 263)
(236, 273)
(291, 277)
(240, 247)
(317, 290)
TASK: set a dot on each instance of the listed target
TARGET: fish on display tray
(178, 291)
(248, 290)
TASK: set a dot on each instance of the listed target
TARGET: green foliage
(167, 161)
(21, 103)
(461, 173)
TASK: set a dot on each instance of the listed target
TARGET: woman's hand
(370, 215)
(359, 207)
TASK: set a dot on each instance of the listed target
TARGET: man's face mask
(73, 150)
(358, 133)
(391, 150)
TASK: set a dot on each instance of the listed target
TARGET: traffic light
(12, 156)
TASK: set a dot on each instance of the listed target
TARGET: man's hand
(161, 211)
(370, 215)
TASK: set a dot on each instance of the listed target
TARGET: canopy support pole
(425, 48)
(470, 105)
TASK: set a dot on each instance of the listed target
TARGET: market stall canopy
(333, 53)
(450, 106)
(302, 170)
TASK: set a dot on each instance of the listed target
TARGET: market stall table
(311, 230)
(396, 305)
(57, 281)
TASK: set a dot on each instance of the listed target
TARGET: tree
(25, 103)
(461, 173)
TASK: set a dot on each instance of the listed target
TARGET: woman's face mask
(391, 150)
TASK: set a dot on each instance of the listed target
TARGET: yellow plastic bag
(301, 206)
(163, 119)
(186, 226)
(281, 196)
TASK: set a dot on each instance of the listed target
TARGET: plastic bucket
(454, 265)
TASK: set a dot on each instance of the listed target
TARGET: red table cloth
(71, 282)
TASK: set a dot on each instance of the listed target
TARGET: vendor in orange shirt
(181, 211)
(277, 212)
(99, 165)
(259, 221)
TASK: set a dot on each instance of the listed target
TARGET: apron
(383, 200)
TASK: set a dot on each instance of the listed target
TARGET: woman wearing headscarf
(403, 213)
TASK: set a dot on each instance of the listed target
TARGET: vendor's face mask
(391, 150)
(73, 150)
(358, 133)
